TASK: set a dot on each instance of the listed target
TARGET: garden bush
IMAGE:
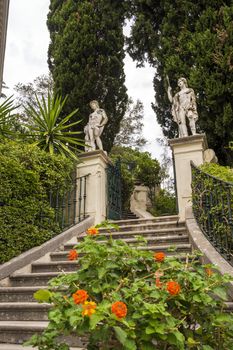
(27, 176)
(164, 203)
(136, 167)
(224, 173)
(122, 297)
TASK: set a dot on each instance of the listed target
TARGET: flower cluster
(88, 308)
(80, 296)
(173, 288)
(119, 309)
(92, 231)
(160, 256)
(73, 255)
(209, 272)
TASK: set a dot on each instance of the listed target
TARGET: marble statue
(183, 105)
(95, 126)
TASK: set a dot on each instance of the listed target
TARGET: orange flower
(159, 256)
(80, 296)
(73, 255)
(158, 283)
(119, 309)
(92, 231)
(209, 272)
(173, 288)
(88, 308)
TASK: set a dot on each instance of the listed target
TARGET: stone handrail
(35, 253)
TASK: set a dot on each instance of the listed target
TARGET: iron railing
(114, 200)
(213, 208)
(70, 208)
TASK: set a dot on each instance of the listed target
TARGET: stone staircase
(21, 316)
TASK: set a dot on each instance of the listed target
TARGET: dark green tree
(86, 55)
(195, 40)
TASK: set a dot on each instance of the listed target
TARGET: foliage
(52, 135)
(136, 167)
(164, 203)
(221, 172)
(86, 58)
(122, 297)
(130, 134)
(6, 116)
(27, 177)
(4, 86)
(213, 205)
(27, 92)
(191, 39)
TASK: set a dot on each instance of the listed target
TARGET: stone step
(146, 221)
(169, 249)
(145, 227)
(21, 347)
(24, 311)
(146, 233)
(32, 279)
(160, 240)
(18, 294)
(17, 332)
(66, 266)
(184, 247)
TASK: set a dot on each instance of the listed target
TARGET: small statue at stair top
(183, 105)
(95, 126)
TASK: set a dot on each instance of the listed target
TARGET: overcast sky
(26, 58)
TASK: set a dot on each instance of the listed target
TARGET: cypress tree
(86, 55)
(194, 40)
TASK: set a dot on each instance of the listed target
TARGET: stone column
(94, 163)
(185, 150)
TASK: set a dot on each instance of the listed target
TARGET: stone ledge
(35, 253)
(201, 243)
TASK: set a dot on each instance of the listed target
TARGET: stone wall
(4, 9)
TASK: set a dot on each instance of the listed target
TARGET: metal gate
(114, 206)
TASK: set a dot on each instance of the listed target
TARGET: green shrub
(27, 176)
(224, 173)
(164, 203)
(137, 167)
(122, 297)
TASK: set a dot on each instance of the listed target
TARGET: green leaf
(130, 344)
(147, 346)
(176, 338)
(207, 347)
(120, 334)
(220, 292)
(95, 319)
(191, 342)
(101, 272)
(42, 295)
(221, 318)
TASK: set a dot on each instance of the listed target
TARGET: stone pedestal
(94, 163)
(185, 150)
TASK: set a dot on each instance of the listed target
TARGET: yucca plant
(6, 116)
(50, 131)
